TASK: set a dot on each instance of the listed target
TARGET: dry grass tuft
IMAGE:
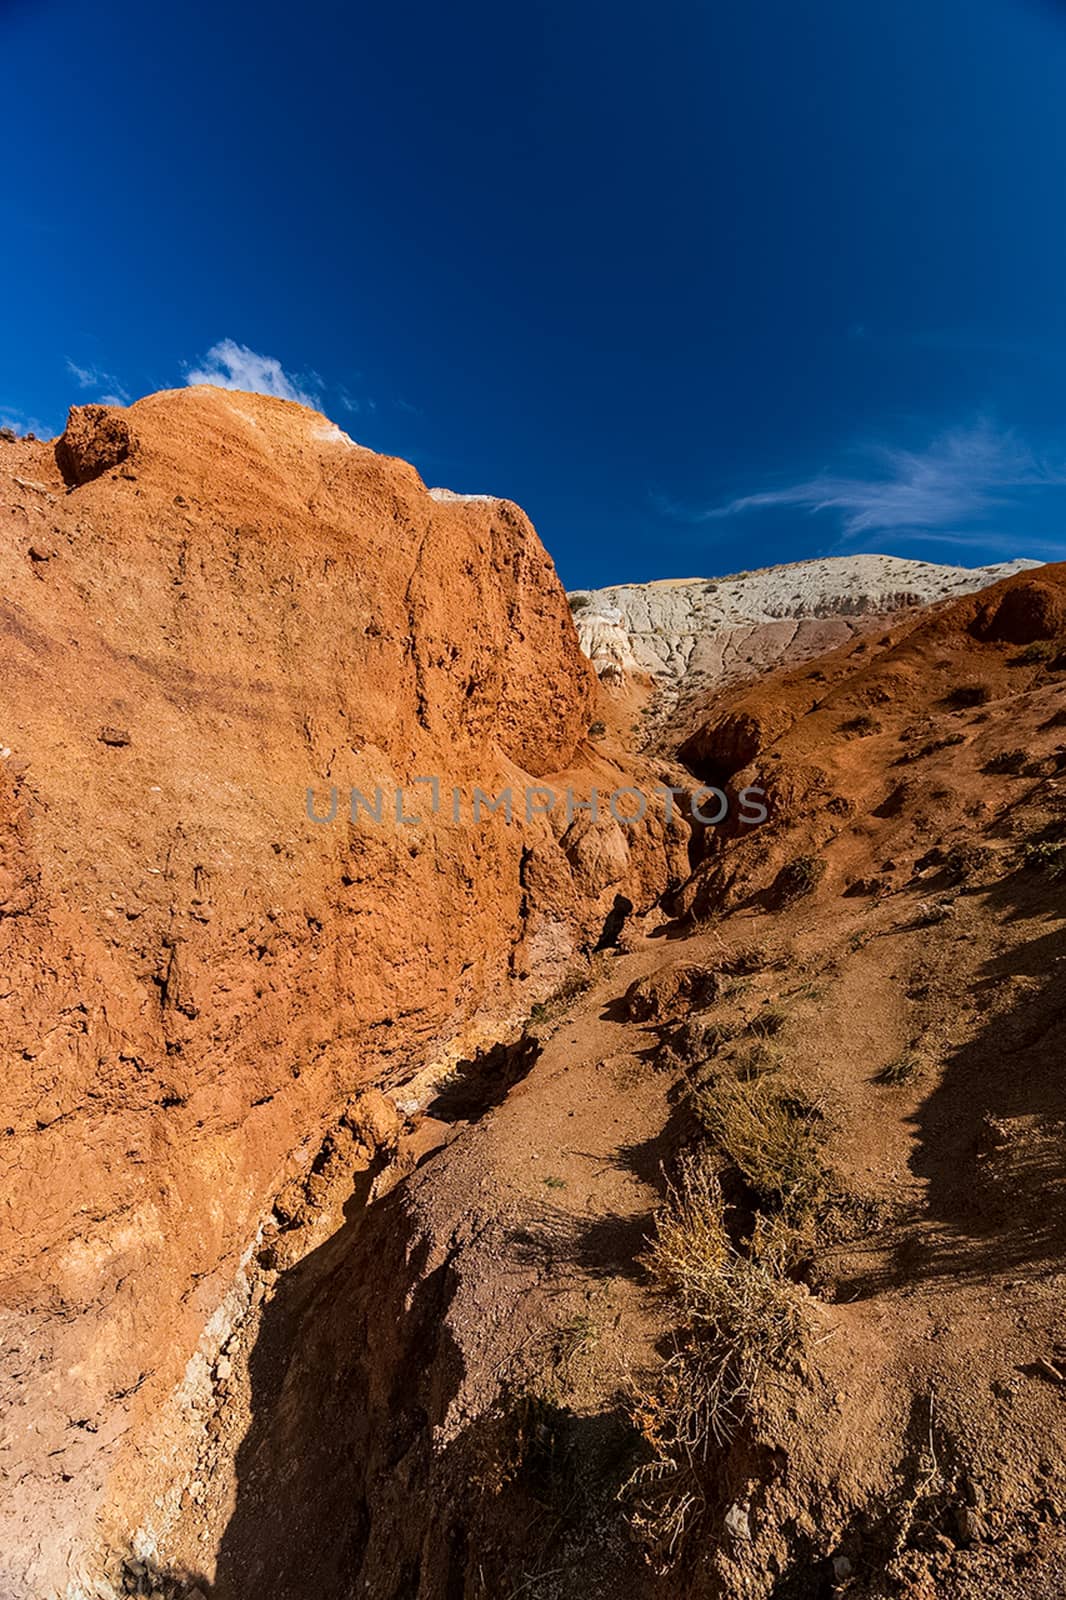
(756, 1060)
(904, 1069)
(796, 879)
(772, 1136)
(768, 1021)
(742, 1316)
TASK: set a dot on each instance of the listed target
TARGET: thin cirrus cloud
(92, 377)
(229, 365)
(962, 475)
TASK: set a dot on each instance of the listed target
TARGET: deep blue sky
(672, 277)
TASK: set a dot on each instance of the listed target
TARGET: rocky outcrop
(894, 730)
(695, 634)
(212, 604)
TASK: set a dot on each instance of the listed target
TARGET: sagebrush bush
(1046, 856)
(742, 1315)
(772, 1136)
(797, 878)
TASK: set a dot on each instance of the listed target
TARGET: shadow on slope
(990, 1134)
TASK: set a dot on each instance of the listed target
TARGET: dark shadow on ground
(565, 1245)
(173, 1582)
(990, 1135)
(485, 1080)
(340, 1394)
(358, 1477)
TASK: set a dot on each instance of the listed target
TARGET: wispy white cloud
(229, 365)
(91, 377)
(353, 403)
(962, 475)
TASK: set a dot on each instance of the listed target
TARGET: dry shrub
(699, 1040)
(744, 959)
(756, 1059)
(768, 1021)
(772, 1136)
(796, 879)
(1011, 763)
(741, 1316)
(904, 1069)
(863, 725)
(1045, 856)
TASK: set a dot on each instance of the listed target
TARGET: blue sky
(703, 286)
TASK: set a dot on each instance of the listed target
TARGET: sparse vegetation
(969, 694)
(863, 725)
(1034, 654)
(1007, 762)
(697, 1039)
(773, 1136)
(903, 1069)
(1046, 856)
(946, 742)
(578, 602)
(748, 958)
(768, 1021)
(797, 879)
(576, 1338)
(963, 862)
(597, 730)
(742, 1317)
(755, 1060)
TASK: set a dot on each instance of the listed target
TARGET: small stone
(970, 1524)
(113, 736)
(975, 1495)
(738, 1521)
(223, 1368)
(842, 1568)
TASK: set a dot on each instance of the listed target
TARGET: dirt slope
(463, 1389)
(212, 601)
(270, 1331)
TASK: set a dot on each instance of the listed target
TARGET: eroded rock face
(878, 733)
(197, 975)
(95, 440)
(695, 634)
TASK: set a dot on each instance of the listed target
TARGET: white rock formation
(717, 630)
